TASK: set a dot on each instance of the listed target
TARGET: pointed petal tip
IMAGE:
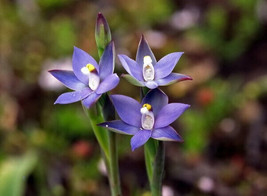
(143, 39)
(100, 17)
(53, 70)
(132, 148)
(186, 78)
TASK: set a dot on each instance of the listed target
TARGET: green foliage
(49, 4)
(14, 172)
(68, 121)
(64, 37)
(200, 123)
(227, 34)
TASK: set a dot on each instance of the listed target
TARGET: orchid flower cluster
(151, 118)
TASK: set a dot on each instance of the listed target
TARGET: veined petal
(107, 61)
(166, 134)
(169, 113)
(119, 126)
(108, 84)
(68, 79)
(151, 84)
(131, 67)
(132, 80)
(90, 100)
(128, 109)
(140, 138)
(157, 99)
(79, 60)
(172, 78)
(72, 97)
(165, 65)
(144, 50)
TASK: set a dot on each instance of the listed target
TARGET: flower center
(94, 79)
(147, 119)
(148, 69)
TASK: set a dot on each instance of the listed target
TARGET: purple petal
(128, 109)
(68, 79)
(144, 50)
(90, 100)
(131, 67)
(151, 84)
(140, 138)
(79, 60)
(108, 84)
(165, 65)
(169, 113)
(120, 127)
(72, 97)
(166, 134)
(107, 61)
(172, 78)
(157, 99)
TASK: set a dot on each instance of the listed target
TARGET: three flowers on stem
(152, 117)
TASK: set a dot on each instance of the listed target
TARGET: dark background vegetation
(50, 150)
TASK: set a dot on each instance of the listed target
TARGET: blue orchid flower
(88, 79)
(146, 71)
(151, 118)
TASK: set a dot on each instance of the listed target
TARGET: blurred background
(50, 150)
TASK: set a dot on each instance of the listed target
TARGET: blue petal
(108, 84)
(107, 61)
(119, 126)
(79, 60)
(90, 100)
(157, 99)
(172, 78)
(131, 67)
(144, 50)
(166, 134)
(151, 84)
(140, 138)
(128, 109)
(169, 113)
(68, 79)
(165, 65)
(72, 97)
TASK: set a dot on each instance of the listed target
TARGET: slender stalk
(100, 133)
(150, 150)
(113, 166)
(156, 187)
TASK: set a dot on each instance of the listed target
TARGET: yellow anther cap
(147, 106)
(90, 67)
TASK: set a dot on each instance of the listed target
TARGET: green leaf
(96, 117)
(14, 172)
(132, 80)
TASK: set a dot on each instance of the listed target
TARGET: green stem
(100, 133)
(156, 187)
(113, 166)
(112, 163)
(150, 149)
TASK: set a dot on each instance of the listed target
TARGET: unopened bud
(102, 33)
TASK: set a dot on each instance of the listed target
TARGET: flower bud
(102, 33)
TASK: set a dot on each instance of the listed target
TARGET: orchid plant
(149, 119)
